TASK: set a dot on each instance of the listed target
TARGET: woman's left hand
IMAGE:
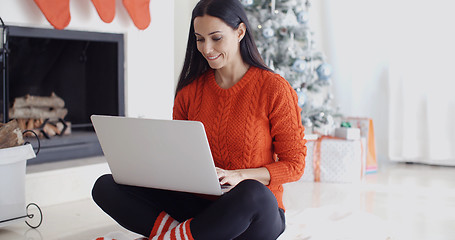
(229, 177)
(234, 177)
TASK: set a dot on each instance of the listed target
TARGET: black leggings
(248, 211)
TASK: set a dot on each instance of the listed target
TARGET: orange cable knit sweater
(249, 123)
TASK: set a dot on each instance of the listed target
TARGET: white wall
(183, 9)
(149, 54)
(358, 58)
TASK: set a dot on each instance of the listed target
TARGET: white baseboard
(446, 163)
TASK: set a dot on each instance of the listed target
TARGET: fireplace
(85, 69)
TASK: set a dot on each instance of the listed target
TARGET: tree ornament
(299, 66)
(321, 116)
(324, 71)
(307, 122)
(247, 3)
(301, 97)
(268, 32)
(303, 17)
(283, 31)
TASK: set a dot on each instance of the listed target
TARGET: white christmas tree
(287, 45)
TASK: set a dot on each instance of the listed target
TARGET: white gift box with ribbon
(331, 159)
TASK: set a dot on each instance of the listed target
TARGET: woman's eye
(213, 39)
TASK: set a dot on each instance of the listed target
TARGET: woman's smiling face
(217, 41)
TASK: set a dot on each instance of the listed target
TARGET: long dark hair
(232, 13)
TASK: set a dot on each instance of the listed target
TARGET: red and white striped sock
(163, 223)
(180, 232)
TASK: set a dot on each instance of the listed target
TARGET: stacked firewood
(44, 128)
(42, 115)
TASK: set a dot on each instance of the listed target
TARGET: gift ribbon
(317, 160)
(371, 162)
(317, 157)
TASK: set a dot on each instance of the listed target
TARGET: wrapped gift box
(334, 160)
(347, 133)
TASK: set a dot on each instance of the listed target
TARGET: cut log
(38, 113)
(10, 135)
(53, 101)
(60, 128)
(22, 124)
(38, 123)
(54, 128)
(37, 107)
(49, 130)
(30, 125)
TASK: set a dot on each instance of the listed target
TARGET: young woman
(255, 133)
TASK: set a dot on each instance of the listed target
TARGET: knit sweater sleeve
(287, 132)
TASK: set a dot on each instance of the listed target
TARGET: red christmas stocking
(139, 11)
(57, 12)
(105, 9)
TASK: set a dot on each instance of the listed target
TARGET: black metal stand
(4, 66)
(28, 215)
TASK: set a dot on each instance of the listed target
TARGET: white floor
(414, 201)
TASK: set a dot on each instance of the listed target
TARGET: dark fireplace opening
(85, 69)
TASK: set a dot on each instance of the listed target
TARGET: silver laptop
(164, 154)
